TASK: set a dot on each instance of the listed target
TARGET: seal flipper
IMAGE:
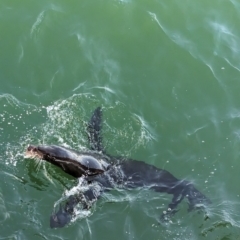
(196, 199)
(65, 213)
(94, 130)
(172, 207)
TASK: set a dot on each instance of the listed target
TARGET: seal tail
(196, 199)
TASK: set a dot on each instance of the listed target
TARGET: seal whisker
(38, 163)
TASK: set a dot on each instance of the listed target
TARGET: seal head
(72, 162)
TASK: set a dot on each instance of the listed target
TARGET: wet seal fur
(103, 172)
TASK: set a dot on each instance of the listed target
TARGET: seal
(103, 172)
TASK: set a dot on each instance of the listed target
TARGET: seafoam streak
(37, 23)
(13, 101)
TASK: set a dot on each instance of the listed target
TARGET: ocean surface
(167, 76)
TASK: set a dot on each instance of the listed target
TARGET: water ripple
(36, 25)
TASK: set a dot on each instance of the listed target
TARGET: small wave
(98, 55)
(107, 89)
(79, 86)
(35, 29)
(21, 55)
(13, 101)
(227, 211)
(221, 28)
(4, 215)
(36, 24)
(124, 1)
(146, 134)
(196, 130)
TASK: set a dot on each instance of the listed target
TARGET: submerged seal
(104, 172)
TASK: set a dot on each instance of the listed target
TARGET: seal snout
(32, 152)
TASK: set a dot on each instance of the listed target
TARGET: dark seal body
(103, 172)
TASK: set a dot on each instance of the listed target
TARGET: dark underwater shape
(102, 172)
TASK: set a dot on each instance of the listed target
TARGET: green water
(167, 74)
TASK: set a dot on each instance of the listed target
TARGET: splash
(16, 120)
